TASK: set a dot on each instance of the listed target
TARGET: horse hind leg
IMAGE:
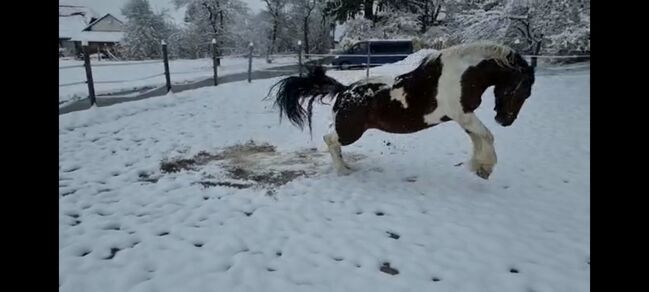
(343, 135)
(336, 154)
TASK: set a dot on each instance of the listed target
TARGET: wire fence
(325, 60)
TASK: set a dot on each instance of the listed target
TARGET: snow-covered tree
(560, 26)
(275, 9)
(144, 30)
(303, 10)
(212, 19)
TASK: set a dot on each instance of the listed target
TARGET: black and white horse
(446, 86)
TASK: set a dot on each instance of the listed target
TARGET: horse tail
(292, 92)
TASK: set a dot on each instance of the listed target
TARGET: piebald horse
(446, 86)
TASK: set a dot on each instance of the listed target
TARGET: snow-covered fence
(263, 71)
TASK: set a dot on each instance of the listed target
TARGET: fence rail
(216, 62)
(129, 80)
(72, 83)
(128, 64)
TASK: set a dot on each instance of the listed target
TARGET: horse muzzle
(505, 120)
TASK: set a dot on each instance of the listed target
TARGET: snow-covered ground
(170, 194)
(181, 71)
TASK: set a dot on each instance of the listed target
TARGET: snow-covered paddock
(169, 194)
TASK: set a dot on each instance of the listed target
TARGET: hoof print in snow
(85, 253)
(410, 179)
(113, 252)
(279, 253)
(270, 269)
(68, 193)
(75, 223)
(198, 244)
(435, 279)
(393, 235)
(163, 233)
(337, 259)
(513, 271)
(112, 227)
(146, 177)
(459, 164)
(71, 169)
(248, 214)
(388, 270)
(379, 213)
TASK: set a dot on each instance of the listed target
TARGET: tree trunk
(424, 20)
(437, 10)
(306, 35)
(368, 9)
(215, 29)
(272, 40)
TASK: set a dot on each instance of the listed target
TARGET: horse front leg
(484, 157)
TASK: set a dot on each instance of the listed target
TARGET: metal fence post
(299, 56)
(165, 57)
(89, 81)
(537, 49)
(367, 69)
(250, 46)
(215, 62)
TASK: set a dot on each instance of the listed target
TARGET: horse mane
(501, 54)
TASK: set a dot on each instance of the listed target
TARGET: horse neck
(484, 74)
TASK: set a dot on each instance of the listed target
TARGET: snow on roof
(99, 19)
(70, 26)
(99, 36)
(74, 9)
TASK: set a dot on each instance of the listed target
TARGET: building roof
(70, 26)
(100, 19)
(99, 36)
(75, 21)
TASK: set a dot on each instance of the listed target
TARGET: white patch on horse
(399, 95)
(369, 92)
(455, 61)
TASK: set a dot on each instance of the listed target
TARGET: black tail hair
(293, 91)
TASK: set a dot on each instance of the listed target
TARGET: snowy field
(181, 71)
(204, 190)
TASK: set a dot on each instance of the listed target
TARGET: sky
(114, 6)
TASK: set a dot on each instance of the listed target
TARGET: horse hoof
(344, 171)
(483, 173)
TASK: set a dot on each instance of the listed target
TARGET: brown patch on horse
(475, 80)
(370, 106)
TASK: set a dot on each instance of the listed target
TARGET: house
(73, 18)
(78, 24)
(102, 34)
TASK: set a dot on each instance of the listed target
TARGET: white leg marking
(484, 153)
(336, 156)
